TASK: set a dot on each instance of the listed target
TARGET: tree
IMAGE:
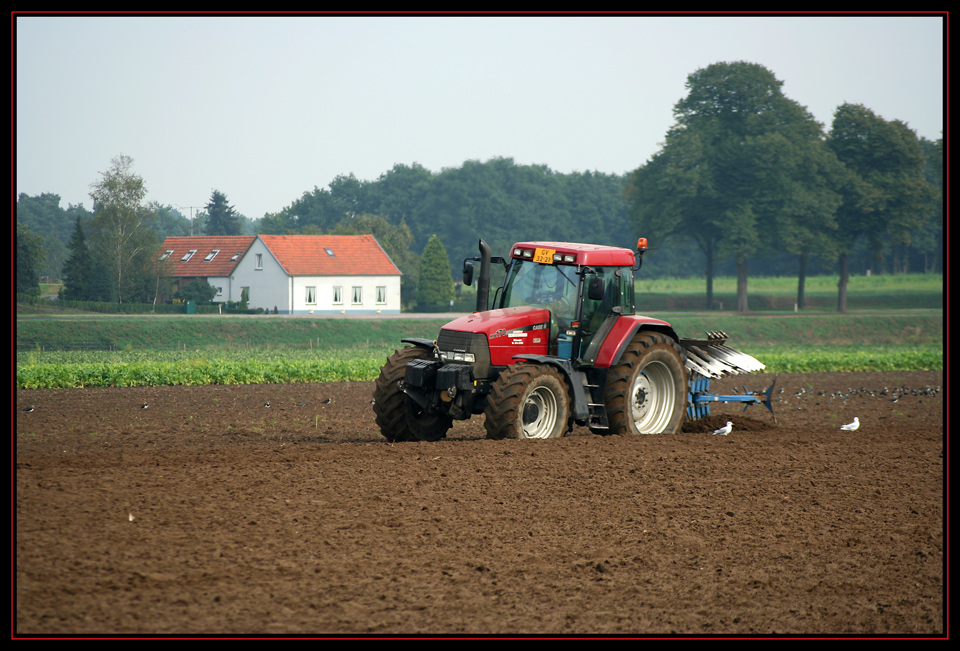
(29, 258)
(76, 270)
(43, 214)
(199, 291)
(886, 195)
(281, 223)
(671, 197)
(436, 281)
(168, 221)
(221, 218)
(119, 227)
(802, 183)
(927, 241)
(723, 176)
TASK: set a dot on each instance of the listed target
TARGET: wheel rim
(652, 398)
(539, 414)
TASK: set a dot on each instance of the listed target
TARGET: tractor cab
(585, 288)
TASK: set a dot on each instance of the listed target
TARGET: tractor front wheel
(398, 416)
(646, 391)
(528, 401)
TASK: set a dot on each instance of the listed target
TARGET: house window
(188, 255)
(381, 294)
(358, 295)
(166, 254)
(259, 261)
(311, 295)
(211, 255)
(219, 291)
(338, 295)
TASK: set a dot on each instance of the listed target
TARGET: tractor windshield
(553, 287)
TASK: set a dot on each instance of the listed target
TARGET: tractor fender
(622, 333)
(422, 343)
(575, 378)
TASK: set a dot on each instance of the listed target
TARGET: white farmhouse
(294, 274)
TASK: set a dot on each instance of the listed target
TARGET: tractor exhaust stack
(483, 283)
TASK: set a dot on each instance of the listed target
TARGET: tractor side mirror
(595, 289)
(467, 273)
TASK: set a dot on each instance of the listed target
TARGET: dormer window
(211, 255)
(188, 255)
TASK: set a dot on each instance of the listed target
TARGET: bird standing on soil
(851, 427)
(723, 431)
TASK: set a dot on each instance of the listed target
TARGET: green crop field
(142, 351)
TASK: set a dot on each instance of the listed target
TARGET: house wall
(268, 282)
(324, 294)
(223, 285)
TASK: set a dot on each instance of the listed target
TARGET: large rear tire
(528, 401)
(646, 391)
(398, 416)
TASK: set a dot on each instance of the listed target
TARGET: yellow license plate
(544, 255)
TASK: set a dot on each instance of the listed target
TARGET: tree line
(746, 181)
(747, 172)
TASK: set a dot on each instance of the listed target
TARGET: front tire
(398, 416)
(646, 391)
(528, 401)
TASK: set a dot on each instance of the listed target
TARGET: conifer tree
(436, 281)
(77, 268)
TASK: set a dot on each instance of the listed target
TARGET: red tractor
(562, 345)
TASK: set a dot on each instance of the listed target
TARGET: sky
(267, 108)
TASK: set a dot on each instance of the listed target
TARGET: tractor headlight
(457, 357)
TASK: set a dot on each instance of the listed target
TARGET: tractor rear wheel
(646, 392)
(398, 416)
(528, 401)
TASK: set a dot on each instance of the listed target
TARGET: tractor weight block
(457, 376)
(421, 373)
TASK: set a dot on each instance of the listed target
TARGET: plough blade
(711, 358)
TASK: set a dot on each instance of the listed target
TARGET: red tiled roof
(231, 249)
(330, 255)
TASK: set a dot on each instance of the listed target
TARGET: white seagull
(723, 431)
(850, 427)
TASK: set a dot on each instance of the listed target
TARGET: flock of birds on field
(893, 395)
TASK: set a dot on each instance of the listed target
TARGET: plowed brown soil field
(200, 510)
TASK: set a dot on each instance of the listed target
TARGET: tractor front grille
(451, 342)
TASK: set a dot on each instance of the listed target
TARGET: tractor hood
(500, 323)
(510, 331)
